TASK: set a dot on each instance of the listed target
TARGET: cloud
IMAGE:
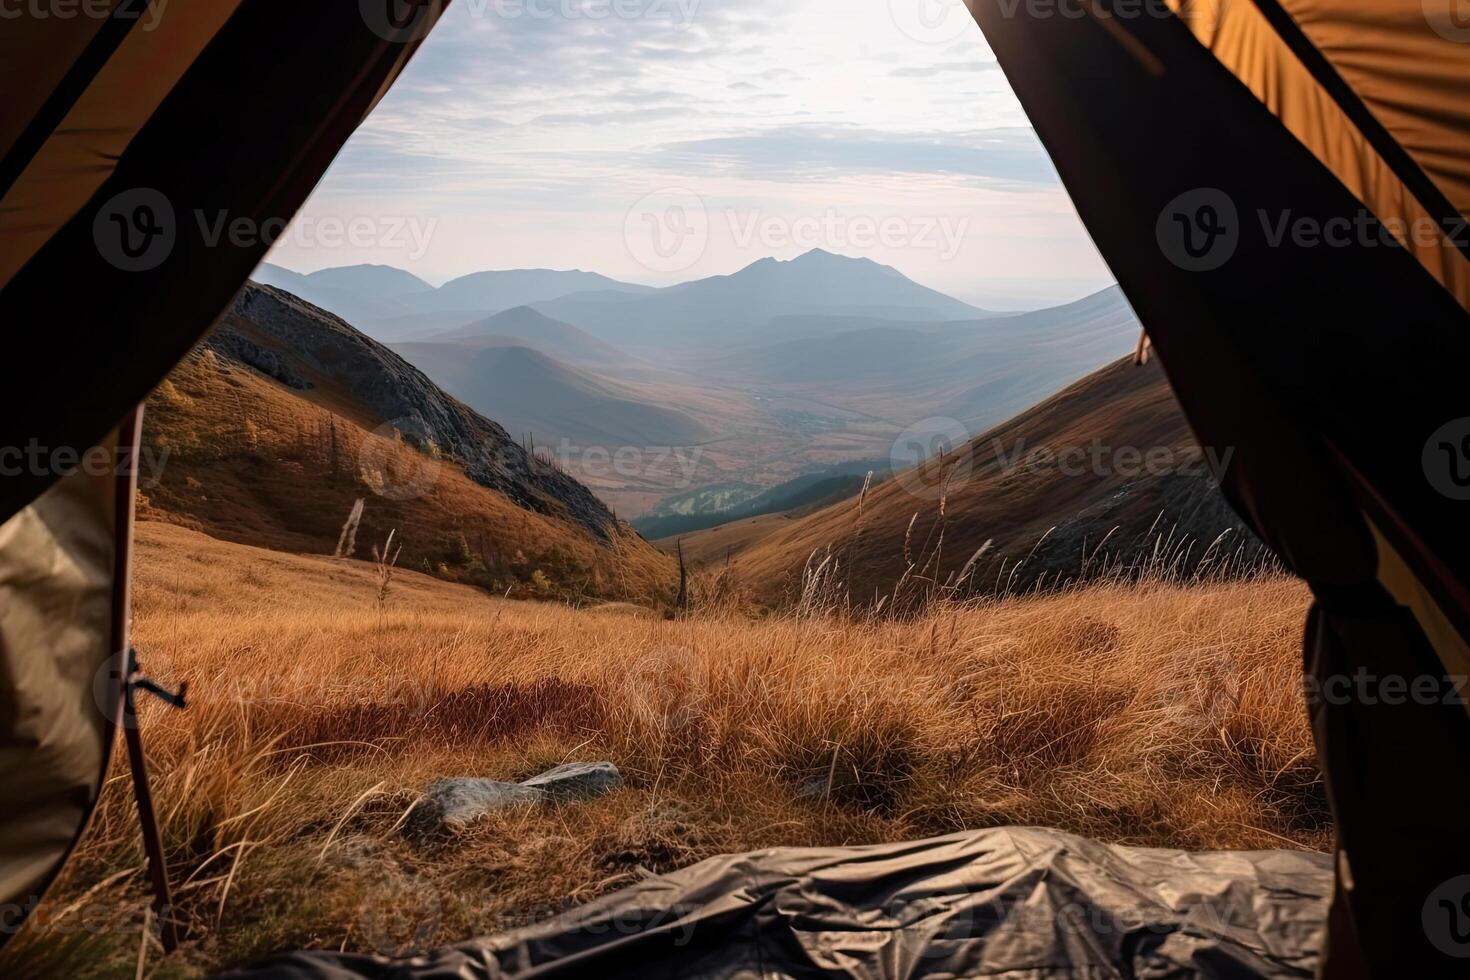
(797, 152)
(941, 68)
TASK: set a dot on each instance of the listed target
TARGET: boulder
(577, 780)
(450, 805)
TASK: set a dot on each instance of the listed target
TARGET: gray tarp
(1019, 903)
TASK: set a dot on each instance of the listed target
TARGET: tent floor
(1022, 903)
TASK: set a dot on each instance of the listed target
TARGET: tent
(123, 123)
(1281, 188)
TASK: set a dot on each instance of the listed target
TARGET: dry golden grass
(254, 462)
(1154, 714)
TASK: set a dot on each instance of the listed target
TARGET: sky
(658, 141)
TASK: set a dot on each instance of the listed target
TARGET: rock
(577, 780)
(450, 805)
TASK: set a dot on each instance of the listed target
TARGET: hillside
(525, 327)
(1096, 475)
(978, 372)
(285, 415)
(530, 392)
(1153, 715)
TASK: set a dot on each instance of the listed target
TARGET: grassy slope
(1152, 714)
(1118, 406)
(253, 461)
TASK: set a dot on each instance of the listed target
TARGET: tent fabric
(58, 570)
(1018, 903)
(195, 112)
(1245, 41)
(207, 111)
(1416, 82)
(1331, 369)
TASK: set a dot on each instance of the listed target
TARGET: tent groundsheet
(1019, 903)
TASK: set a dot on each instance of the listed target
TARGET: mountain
(359, 294)
(501, 290)
(1106, 468)
(977, 372)
(525, 327)
(727, 311)
(389, 303)
(285, 415)
(379, 282)
(531, 392)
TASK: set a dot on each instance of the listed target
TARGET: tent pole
(129, 433)
(148, 820)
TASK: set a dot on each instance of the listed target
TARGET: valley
(727, 387)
